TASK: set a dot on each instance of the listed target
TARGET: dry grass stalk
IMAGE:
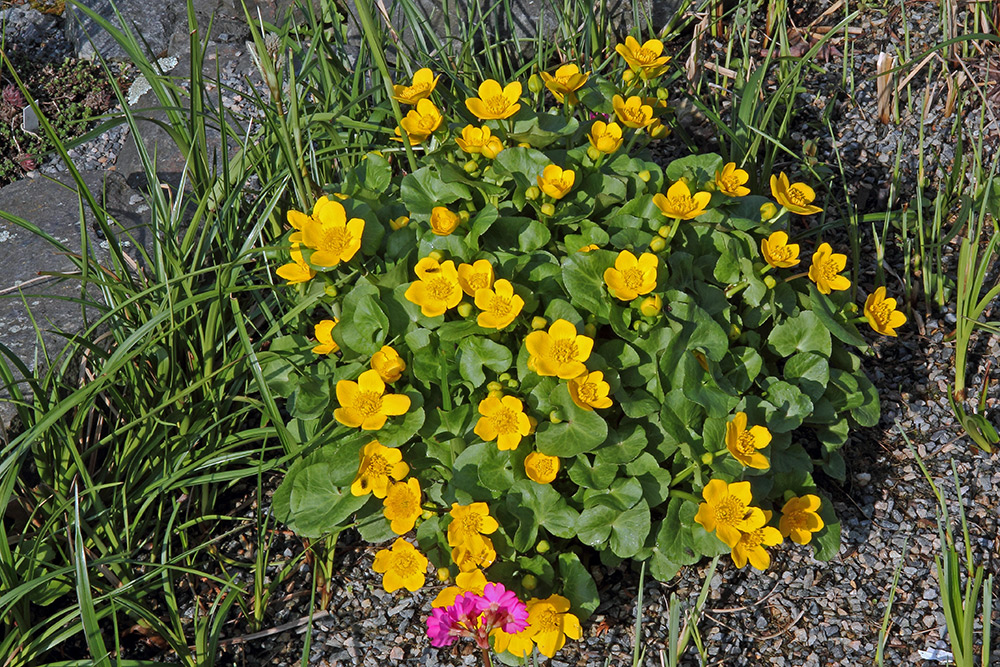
(954, 83)
(691, 65)
(884, 66)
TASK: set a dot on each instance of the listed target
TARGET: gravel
(801, 612)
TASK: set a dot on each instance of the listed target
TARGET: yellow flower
(324, 336)
(796, 197)
(657, 130)
(492, 148)
(499, 305)
(421, 87)
(495, 102)
(648, 58)
(731, 180)
(541, 468)
(331, 235)
(388, 364)
(473, 138)
(421, 123)
(476, 276)
(443, 221)
(503, 420)
(465, 582)
(364, 403)
(743, 443)
(778, 252)
(727, 511)
(550, 623)
(297, 271)
(567, 80)
(589, 247)
(402, 505)
(518, 645)
(631, 277)
(559, 351)
(632, 112)
(590, 391)
(750, 546)
(469, 524)
(651, 305)
(474, 554)
(605, 137)
(401, 567)
(881, 313)
(768, 211)
(799, 518)
(437, 289)
(825, 270)
(556, 181)
(378, 464)
(680, 203)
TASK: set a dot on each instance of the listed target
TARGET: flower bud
(707, 458)
(548, 209)
(529, 582)
(443, 574)
(513, 384)
(496, 394)
(399, 223)
(770, 282)
(388, 364)
(464, 309)
(555, 417)
(768, 211)
(651, 305)
(644, 175)
(535, 83)
(470, 166)
(593, 153)
(662, 94)
(538, 322)
(464, 216)
(628, 76)
(590, 330)
(734, 331)
(532, 193)
(503, 377)
(427, 514)
(494, 386)
(852, 308)
(657, 244)
(436, 255)
(532, 425)
(664, 231)
(542, 546)
(330, 290)
(443, 221)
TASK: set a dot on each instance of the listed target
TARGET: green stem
(377, 53)
(677, 493)
(684, 474)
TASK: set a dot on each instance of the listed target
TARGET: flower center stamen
(633, 278)
(881, 312)
(797, 197)
(505, 421)
(369, 403)
(564, 350)
(730, 511)
(335, 239)
(497, 104)
(745, 443)
(500, 306)
(548, 621)
(440, 288)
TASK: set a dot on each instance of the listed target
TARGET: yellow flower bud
(651, 305)
(590, 330)
(427, 514)
(532, 193)
(523, 144)
(770, 282)
(400, 222)
(496, 394)
(662, 94)
(436, 255)
(494, 386)
(464, 309)
(707, 458)
(532, 424)
(330, 290)
(734, 332)
(555, 417)
(593, 153)
(443, 221)
(542, 546)
(538, 322)
(664, 231)
(548, 209)
(657, 244)
(443, 574)
(535, 83)
(464, 216)
(388, 364)
(529, 582)
(470, 166)
(768, 211)
(644, 175)
(628, 76)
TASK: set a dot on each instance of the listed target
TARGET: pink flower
(475, 616)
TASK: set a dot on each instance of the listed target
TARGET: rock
(151, 22)
(24, 27)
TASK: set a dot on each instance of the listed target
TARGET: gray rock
(24, 26)
(151, 22)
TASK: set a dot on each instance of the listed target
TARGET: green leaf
(580, 431)
(623, 445)
(789, 407)
(697, 169)
(594, 524)
(624, 493)
(310, 398)
(810, 371)
(802, 333)
(578, 586)
(373, 174)
(466, 470)
(400, 429)
(496, 470)
(534, 236)
(629, 530)
(422, 190)
(540, 130)
(827, 541)
(591, 476)
(583, 276)
(524, 164)
(869, 412)
(363, 325)
(548, 506)
(475, 352)
(480, 224)
(654, 479)
(834, 320)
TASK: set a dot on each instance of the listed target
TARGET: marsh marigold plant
(523, 337)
